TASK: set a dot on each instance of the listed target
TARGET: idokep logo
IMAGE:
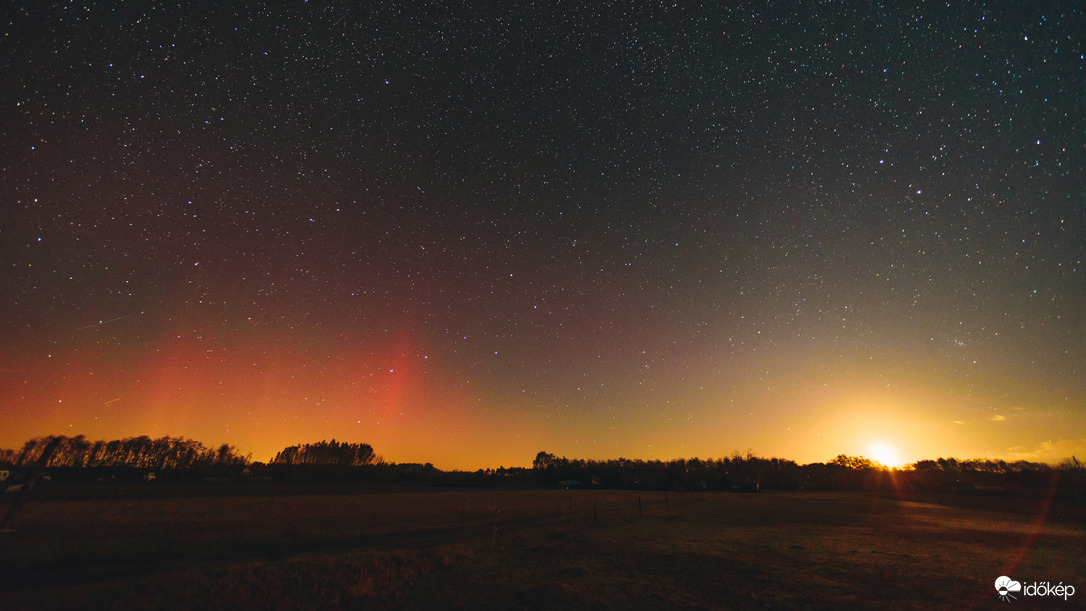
(1007, 587)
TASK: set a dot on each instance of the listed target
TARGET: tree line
(327, 453)
(750, 473)
(163, 453)
(166, 453)
(330, 461)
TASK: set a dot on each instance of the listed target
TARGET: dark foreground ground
(221, 548)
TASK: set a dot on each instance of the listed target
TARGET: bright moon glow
(885, 454)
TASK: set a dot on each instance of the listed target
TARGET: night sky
(465, 234)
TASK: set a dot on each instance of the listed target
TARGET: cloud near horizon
(1052, 452)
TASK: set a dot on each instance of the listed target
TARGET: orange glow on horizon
(262, 396)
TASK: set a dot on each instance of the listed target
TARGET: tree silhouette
(856, 463)
(139, 452)
(326, 453)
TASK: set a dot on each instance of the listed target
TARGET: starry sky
(465, 233)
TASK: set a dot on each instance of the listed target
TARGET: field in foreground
(535, 549)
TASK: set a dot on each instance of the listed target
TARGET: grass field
(533, 549)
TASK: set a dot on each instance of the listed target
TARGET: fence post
(667, 504)
(639, 514)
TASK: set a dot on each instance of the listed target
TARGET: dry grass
(525, 549)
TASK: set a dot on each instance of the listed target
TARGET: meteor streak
(106, 322)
